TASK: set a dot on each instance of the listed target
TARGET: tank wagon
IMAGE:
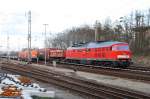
(23, 55)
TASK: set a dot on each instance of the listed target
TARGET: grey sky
(59, 14)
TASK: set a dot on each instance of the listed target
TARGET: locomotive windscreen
(120, 48)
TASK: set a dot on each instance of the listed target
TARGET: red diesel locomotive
(107, 53)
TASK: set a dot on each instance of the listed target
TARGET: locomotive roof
(97, 44)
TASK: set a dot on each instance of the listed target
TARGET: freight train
(104, 53)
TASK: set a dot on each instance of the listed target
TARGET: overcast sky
(59, 14)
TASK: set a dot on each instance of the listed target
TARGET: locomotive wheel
(115, 64)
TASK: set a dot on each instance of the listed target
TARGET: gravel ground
(126, 83)
(116, 81)
(60, 92)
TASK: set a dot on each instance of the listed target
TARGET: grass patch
(141, 59)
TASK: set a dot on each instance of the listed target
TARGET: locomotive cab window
(120, 48)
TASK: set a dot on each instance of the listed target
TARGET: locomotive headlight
(122, 56)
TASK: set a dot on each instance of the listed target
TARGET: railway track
(141, 68)
(133, 67)
(89, 88)
(130, 73)
(141, 73)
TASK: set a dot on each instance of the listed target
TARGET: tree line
(133, 29)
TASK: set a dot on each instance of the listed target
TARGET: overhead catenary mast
(45, 42)
(8, 57)
(29, 36)
(96, 31)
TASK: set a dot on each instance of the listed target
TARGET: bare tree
(133, 29)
